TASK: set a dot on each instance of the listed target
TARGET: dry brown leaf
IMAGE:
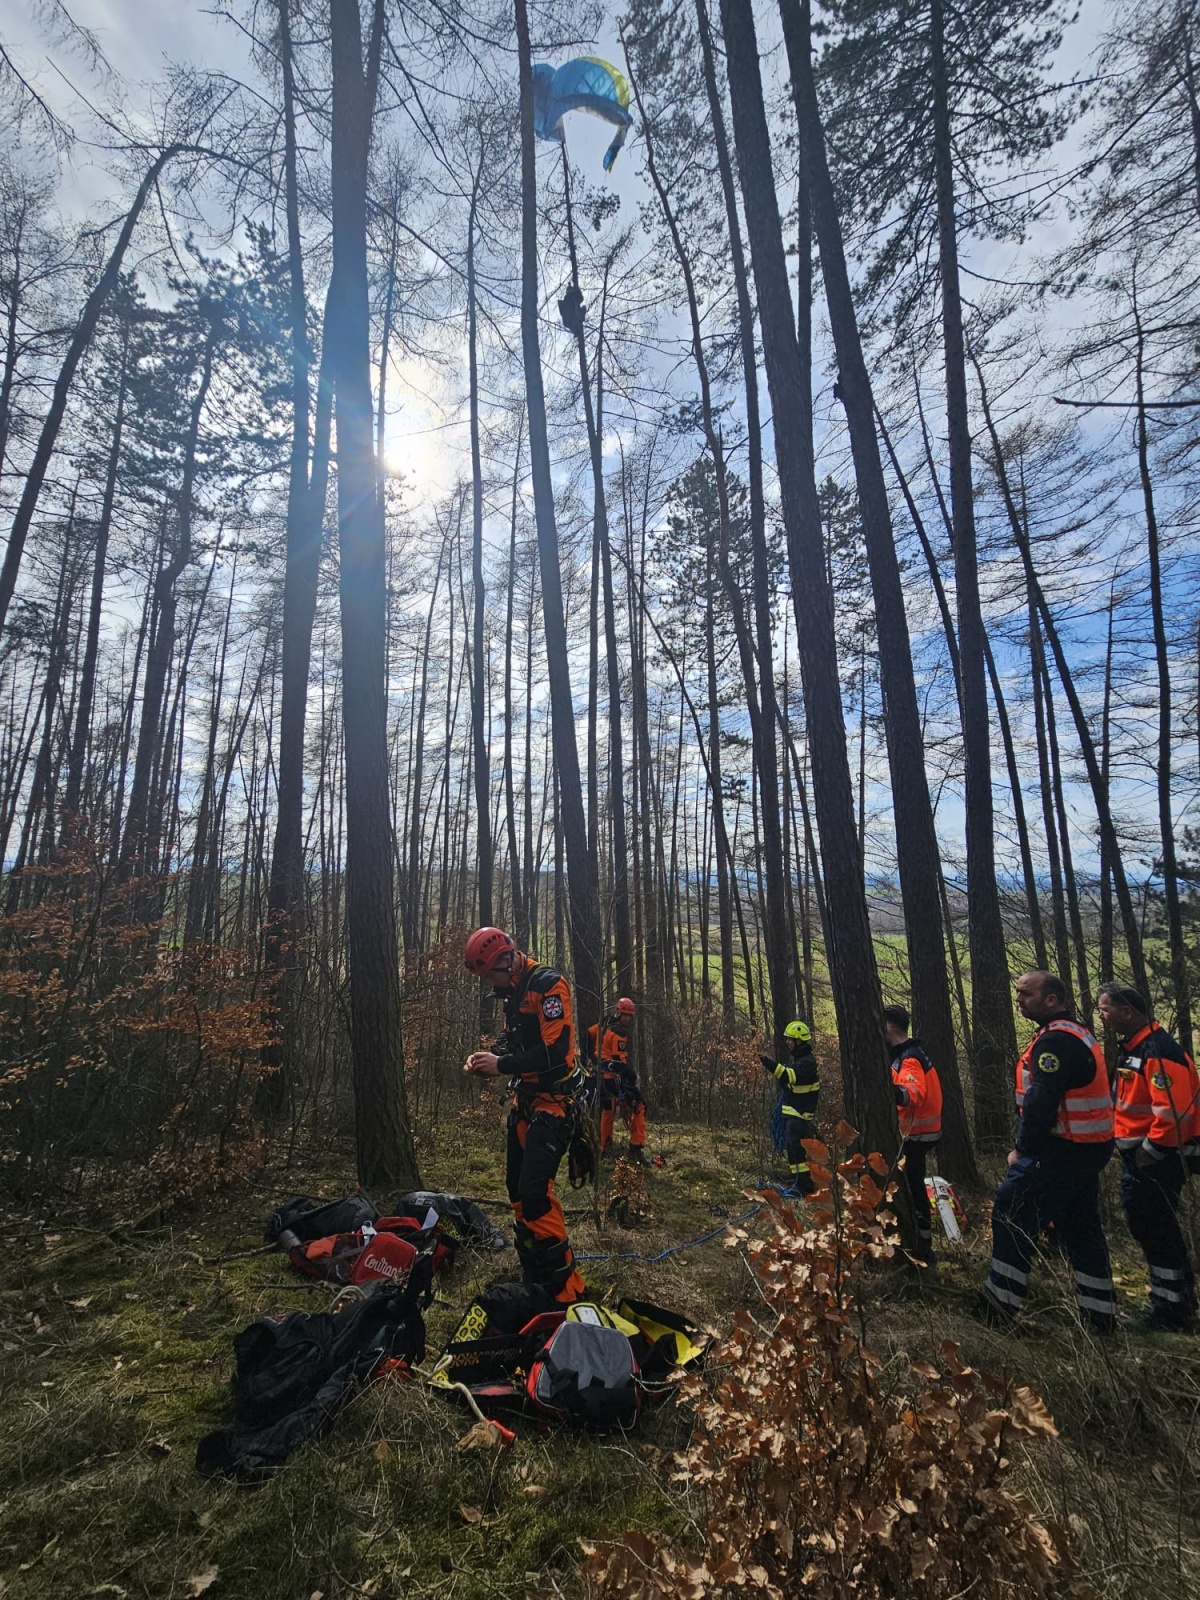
(382, 1450)
(202, 1582)
(471, 1514)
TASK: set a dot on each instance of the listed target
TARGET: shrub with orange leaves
(818, 1477)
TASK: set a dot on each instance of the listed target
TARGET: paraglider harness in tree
(585, 1364)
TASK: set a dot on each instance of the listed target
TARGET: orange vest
(1085, 1114)
(1157, 1098)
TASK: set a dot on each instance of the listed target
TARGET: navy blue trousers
(1060, 1191)
(1150, 1196)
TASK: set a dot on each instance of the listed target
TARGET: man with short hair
(537, 1050)
(918, 1092)
(1064, 1138)
(1157, 1115)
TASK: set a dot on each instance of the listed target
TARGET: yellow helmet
(798, 1030)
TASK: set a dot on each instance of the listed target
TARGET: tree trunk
(581, 888)
(91, 651)
(1180, 980)
(855, 980)
(1087, 746)
(484, 865)
(758, 674)
(992, 1025)
(384, 1140)
(76, 349)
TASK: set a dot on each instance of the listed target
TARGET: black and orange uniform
(538, 1051)
(918, 1091)
(1064, 1139)
(799, 1090)
(1157, 1116)
(619, 1090)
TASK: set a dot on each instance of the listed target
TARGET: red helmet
(484, 948)
(625, 1008)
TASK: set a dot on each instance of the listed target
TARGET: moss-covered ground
(116, 1350)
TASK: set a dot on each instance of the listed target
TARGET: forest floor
(117, 1353)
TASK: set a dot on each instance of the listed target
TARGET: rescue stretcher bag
(302, 1218)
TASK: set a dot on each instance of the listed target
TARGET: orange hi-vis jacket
(614, 1046)
(914, 1073)
(1158, 1093)
(1085, 1111)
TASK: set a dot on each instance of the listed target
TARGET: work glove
(768, 1064)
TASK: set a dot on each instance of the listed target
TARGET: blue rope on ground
(672, 1249)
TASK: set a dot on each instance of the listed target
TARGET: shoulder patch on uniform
(552, 1007)
(1048, 1062)
(1160, 1080)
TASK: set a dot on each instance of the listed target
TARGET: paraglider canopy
(585, 84)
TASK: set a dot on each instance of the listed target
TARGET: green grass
(117, 1354)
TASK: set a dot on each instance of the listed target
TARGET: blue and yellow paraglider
(585, 84)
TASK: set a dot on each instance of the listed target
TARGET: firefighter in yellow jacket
(799, 1088)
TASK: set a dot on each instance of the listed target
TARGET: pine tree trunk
(1180, 980)
(384, 1140)
(484, 864)
(80, 340)
(581, 887)
(869, 1100)
(992, 1026)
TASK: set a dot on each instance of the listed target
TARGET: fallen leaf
(205, 1519)
(382, 1450)
(160, 1446)
(203, 1581)
(471, 1514)
(535, 1490)
(81, 1305)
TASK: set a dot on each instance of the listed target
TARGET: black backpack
(586, 1372)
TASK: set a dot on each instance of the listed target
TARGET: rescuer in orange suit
(1157, 1116)
(918, 1091)
(537, 1051)
(619, 1089)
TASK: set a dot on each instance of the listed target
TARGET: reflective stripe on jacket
(1085, 1112)
(1158, 1093)
(799, 1085)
